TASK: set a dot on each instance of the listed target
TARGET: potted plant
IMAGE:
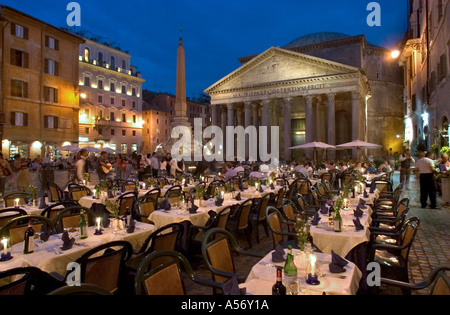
(200, 195)
(113, 207)
(302, 227)
(33, 191)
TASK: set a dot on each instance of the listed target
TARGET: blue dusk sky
(215, 33)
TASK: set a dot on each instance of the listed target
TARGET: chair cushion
(388, 260)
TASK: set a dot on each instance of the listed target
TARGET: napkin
(358, 212)
(316, 218)
(277, 255)
(110, 193)
(372, 188)
(272, 186)
(337, 263)
(261, 189)
(67, 241)
(329, 202)
(219, 202)
(105, 220)
(42, 204)
(193, 209)
(44, 233)
(231, 287)
(238, 197)
(366, 195)
(324, 209)
(131, 226)
(362, 204)
(241, 187)
(358, 225)
(164, 205)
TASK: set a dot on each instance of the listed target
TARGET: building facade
(159, 113)
(327, 87)
(39, 79)
(424, 58)
(110, 98)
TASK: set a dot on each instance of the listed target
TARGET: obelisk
(180, 117)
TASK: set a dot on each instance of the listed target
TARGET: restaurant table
(31, 209)
(263, 276)
(163, 217)
(251, 192)
(50, 258)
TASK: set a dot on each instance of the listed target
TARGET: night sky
(215, 33)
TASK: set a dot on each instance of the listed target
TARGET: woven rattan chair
(68, 218)
(15, 228)
(239, 221)
(275, 221)
(8, 214)
(145, 206)
(23, 198)
(56, 193)
(27, 281)
(258, 216)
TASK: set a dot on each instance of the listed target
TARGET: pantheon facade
(326, 87)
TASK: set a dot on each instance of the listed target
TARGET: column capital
(331, 97)
(309, 98)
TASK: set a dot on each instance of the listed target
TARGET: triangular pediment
(279, 65)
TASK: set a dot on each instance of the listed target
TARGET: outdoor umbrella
(314, 145)
(92, 150)
(358, 144)
(110, 151)
(68, 148)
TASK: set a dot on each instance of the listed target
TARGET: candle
(98, 223)
(313, 260)
(5, 246)
(84, 182)
(223, 193)
(16, 202)
(143, 186)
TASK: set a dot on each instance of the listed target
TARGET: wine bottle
(28, 245)
(337, 222)
(127, 216)
(290, 269)
(279, 288)
(83, 226)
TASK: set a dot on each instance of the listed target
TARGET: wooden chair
(56, 193)
(275, 221)
(278, 199)
(15, 228)
(127, 201)
(239, 220)
(145, 206)
(258, 216)
(213, 185)
(52, 211)
(218, 245)
(104, 265)
(83, 289)
(155, 278)
(24, 198)
(77, 192)
(69, 218)
(173, 194)
(27, 281)
(129, 185)
(437, 282)
(164, 238)
(8, 214)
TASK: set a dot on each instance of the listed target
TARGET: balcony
(105, 65)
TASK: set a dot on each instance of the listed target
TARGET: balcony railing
(105, 65)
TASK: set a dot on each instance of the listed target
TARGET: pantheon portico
(309, 98)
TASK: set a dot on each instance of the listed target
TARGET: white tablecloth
(50, 258)
(262, 277)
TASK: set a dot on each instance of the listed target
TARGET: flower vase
(117, 225)
(302, 262)
(35, 203)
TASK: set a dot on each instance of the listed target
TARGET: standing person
(5, 172)
(173, 165)
(118, 167)
(81, 166)
(124, 168)
(427, 185)
(142, 164)
(154, 162)
(103, 166)
(23, 177)
(406, 160)
(148, 163)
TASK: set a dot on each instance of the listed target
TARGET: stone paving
(430, 249)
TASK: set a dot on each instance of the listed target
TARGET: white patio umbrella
(68, 148)
(92, 150)
(358, 145)
(111, 151)
(314, 145)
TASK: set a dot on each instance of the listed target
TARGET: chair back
(78, 192)
(22, 197)
(274, 223)
(15, 228)
(27, 281)
(289, 210)
(105, 269)
(155, 193)
(213, 185)
(145, 206)
(69, 218)
(326, 177)
(280, 197)
(221, 219)
(315, 196)
(441, 285)
(407, 238)
(243, 214)
(173, 194)
(220, 258)
(7, 215)
(52, 211)
(262, 206)
(322, 190)
(56, 194)
(127, 200)
(303, 186)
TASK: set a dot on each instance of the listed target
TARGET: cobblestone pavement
(430, 249)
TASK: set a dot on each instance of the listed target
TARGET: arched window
(113, 62)
(124, 64)
(100, 58)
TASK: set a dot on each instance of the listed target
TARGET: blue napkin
(261, 190)
(110, 194)
(358, 225)
(42, 204)
(219, 202)
(241, 187)
(372, 188)
(272, 186)
(316, 218)
(44, 233)
(231, 287)
(105, 220)
(324, 209)
(67, 241)
(131, 226)
(366, 195)
(193, 209)
(362, 204)
(277, 255)
(164, 205)
(337, 263)
(358, 212)
(238, 197)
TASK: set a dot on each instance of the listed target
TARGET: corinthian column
(287, 128)
(356, 119)
(331, 123)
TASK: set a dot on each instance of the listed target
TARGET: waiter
(427, 186)
(405, 168)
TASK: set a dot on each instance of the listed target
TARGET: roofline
(3, 7)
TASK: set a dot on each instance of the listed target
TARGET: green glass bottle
(83, 226)
(289, 267)
(337, 221)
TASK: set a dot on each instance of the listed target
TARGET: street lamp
(83, 96)
(395, 54)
